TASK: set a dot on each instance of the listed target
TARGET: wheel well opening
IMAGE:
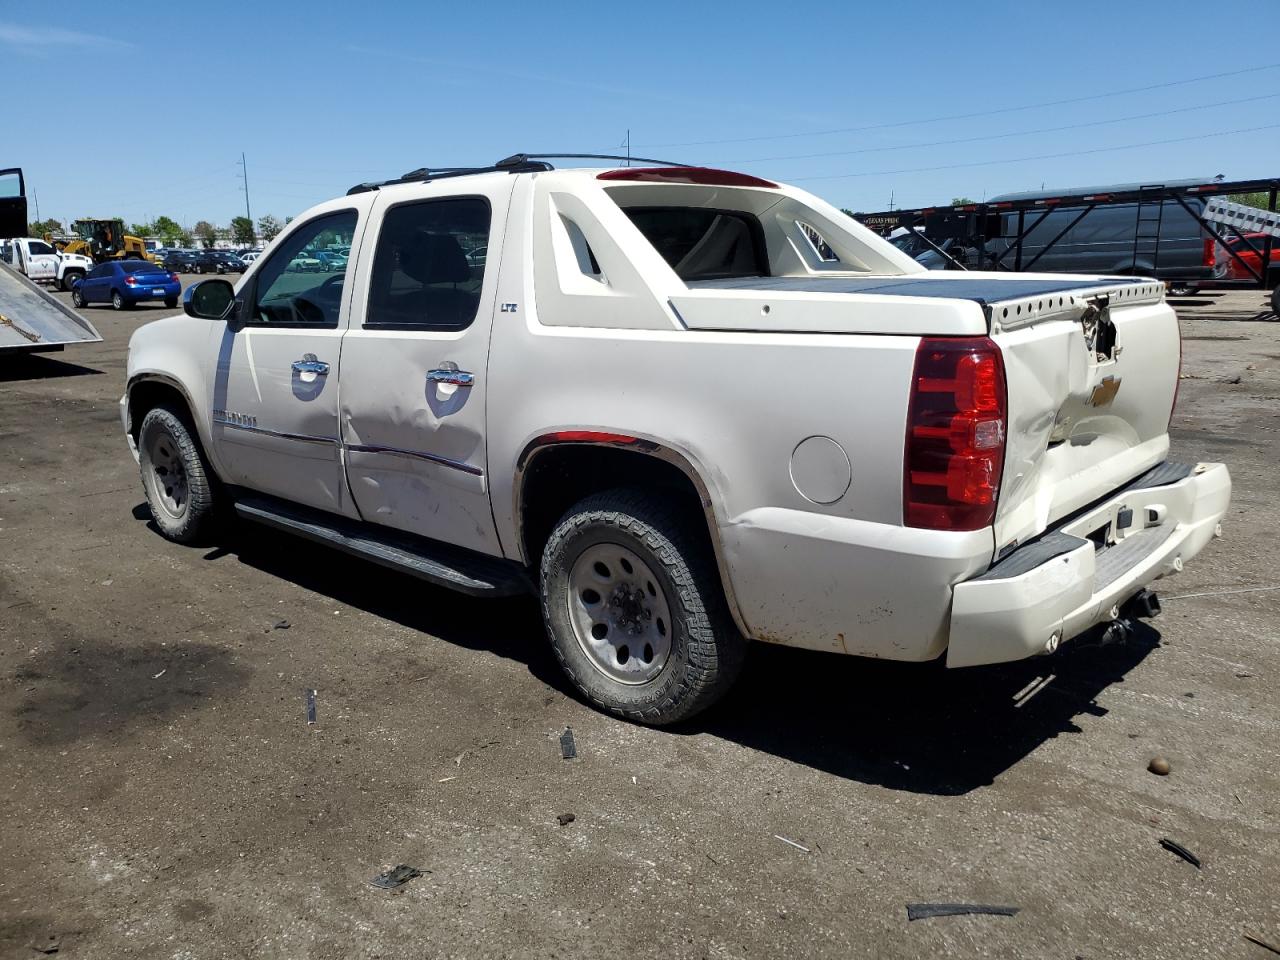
(146, 395)
(560, 476)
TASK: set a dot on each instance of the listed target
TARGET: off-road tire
(191, 524)
(706, 649)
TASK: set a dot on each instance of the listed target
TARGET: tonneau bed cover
(978, 289)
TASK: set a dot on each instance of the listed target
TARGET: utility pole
(36, 197)
(627, 143)
(245, 167)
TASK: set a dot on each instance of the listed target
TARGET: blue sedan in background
(126, 283)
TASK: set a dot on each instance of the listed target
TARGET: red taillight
(1210, 253)
(955, 434)
(702, 175)
(173, 277)
(131, 280)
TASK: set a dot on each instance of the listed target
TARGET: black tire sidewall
(117, 300)
(600, 688)
(695, 603)
(200, 496)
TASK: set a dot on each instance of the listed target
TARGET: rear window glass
(703, 244)
(137, 266)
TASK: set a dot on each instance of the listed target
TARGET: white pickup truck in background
(688, 408)
(39, 261)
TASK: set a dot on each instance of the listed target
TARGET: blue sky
(322, 95)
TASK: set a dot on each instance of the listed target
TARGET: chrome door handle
(457, 378)
(309, 364)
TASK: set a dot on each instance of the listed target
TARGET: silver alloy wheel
(619, 613)
(168, 475)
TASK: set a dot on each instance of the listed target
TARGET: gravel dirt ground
(164, 795)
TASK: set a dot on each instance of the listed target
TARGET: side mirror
(209, 299)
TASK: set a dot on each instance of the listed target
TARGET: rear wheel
(177, 481)
(117, 300)
(634, 608)
(1180, 288)
(170, 302)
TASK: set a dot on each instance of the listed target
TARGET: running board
(439, 563)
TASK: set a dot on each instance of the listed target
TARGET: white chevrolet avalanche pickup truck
(687, 408)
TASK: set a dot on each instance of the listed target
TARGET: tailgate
(1092, 375)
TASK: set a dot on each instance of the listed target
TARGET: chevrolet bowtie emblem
(1105, 392)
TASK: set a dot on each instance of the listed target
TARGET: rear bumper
(1062, 584)
(171, 291)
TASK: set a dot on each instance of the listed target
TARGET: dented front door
(414, 363)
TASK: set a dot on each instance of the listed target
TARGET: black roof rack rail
(516, 163)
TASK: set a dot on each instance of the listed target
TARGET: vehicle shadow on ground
(918, 727)
(915, 727)
(506, 627)
(37, 367)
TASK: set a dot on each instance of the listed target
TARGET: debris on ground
(791, 843)
(1262, 943)
(397, 876)
(568, 749)
(1159, 766)
(282, 625)
(51, 946)
(565, 818)
(923, 911)
(157, 676)
(1174, 847)
(311, 706)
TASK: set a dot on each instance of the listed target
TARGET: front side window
(37, 247)
(290, 290)
(429, 265)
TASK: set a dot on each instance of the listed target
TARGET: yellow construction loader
(103, 240)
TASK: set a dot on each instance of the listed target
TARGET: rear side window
(429, 265)
(703, 244)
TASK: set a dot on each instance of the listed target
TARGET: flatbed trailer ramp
(32, 320)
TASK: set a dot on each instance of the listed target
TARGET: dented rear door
(415, 358)
(1092, 374)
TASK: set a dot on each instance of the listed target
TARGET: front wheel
(77, 298)
(69, 279)
(633, 604)
(177, 482)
